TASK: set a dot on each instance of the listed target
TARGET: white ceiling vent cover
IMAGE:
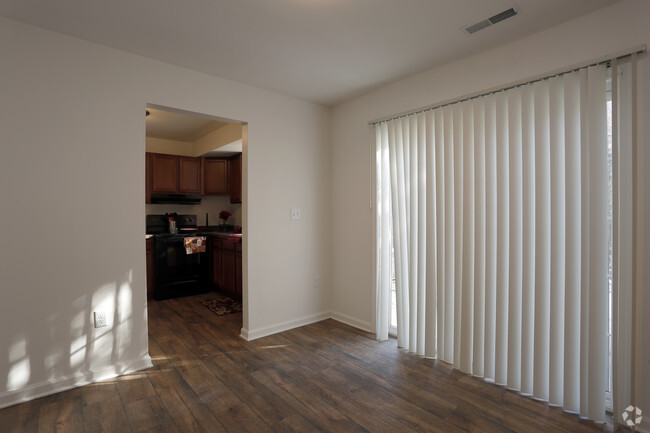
(492, 20)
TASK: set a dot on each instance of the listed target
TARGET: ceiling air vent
(492, 20)
(503, 16)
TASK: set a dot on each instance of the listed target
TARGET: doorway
(195, 166)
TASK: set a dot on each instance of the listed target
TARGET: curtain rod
(602, 60)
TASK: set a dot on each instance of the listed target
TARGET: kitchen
(193, 205)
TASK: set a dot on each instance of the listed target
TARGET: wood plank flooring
(325, 377)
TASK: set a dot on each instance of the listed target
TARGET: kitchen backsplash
(211, 205)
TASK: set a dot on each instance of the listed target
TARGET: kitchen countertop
(221, 235)
(215, 234)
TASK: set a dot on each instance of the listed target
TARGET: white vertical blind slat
(450, 244)
(598, 237)
(515, 249)
(503, 240)
(558, 232)
(440, 232)
(399, 227)
(421, 241)
(584, 244)
(490, 238)
(411, 143)
(542, 241)
(467, 304)
(457, 112)
(573, 243)
(431, 324)
(479, 238)
(528, 239)
(623, 236)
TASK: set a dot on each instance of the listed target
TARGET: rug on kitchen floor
(223, 306)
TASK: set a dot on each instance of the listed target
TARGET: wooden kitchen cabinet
(171, 174)
(164, 173)
(189, 175)
(148, 177)
(235, 179)
(215, 176)
(150, 268)
(227, 267)
(238, 272)
(215, 254)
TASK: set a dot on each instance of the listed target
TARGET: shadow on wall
(67, 350)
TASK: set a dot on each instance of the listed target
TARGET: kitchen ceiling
(325, 51)
(175, 126)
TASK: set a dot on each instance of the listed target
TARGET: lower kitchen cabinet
(215, 253)
(228, 264)
(150, 268)
(227, 267)
(238, 271)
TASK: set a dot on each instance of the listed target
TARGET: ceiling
(325, 51)
(187, 127)
(178, 126)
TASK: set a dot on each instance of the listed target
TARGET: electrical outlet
(295, 214)
(316, 281)
(100, 319)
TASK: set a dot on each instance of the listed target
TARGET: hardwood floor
(325, 377)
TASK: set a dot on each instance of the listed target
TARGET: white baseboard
(254, 334)
(348, 320)
(42, 389)
(249, 335)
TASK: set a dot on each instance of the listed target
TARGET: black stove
(177, 273)
(159, 224)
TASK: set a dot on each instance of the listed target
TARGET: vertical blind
(496, 209)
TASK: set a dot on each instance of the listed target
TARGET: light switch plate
(296, 214)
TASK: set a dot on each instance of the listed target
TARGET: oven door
(178, 273)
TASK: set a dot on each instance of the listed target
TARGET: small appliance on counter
(177, 273)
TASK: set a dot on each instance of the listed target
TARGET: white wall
(72, 187)
(619, 27)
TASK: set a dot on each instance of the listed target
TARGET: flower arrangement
(223, 216)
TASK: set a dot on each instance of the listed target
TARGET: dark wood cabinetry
(164, 173)
(150, 268)
(234, 165)
(227, 267)
(238, 271)
(215, 260)
(170, 174)
(148, 177)
(189, 175)
(215, 176)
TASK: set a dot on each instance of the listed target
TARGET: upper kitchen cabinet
(189, 175)
(169, 174)
(235, 179)
(148, 177)
(215, 176)
(164, 173)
